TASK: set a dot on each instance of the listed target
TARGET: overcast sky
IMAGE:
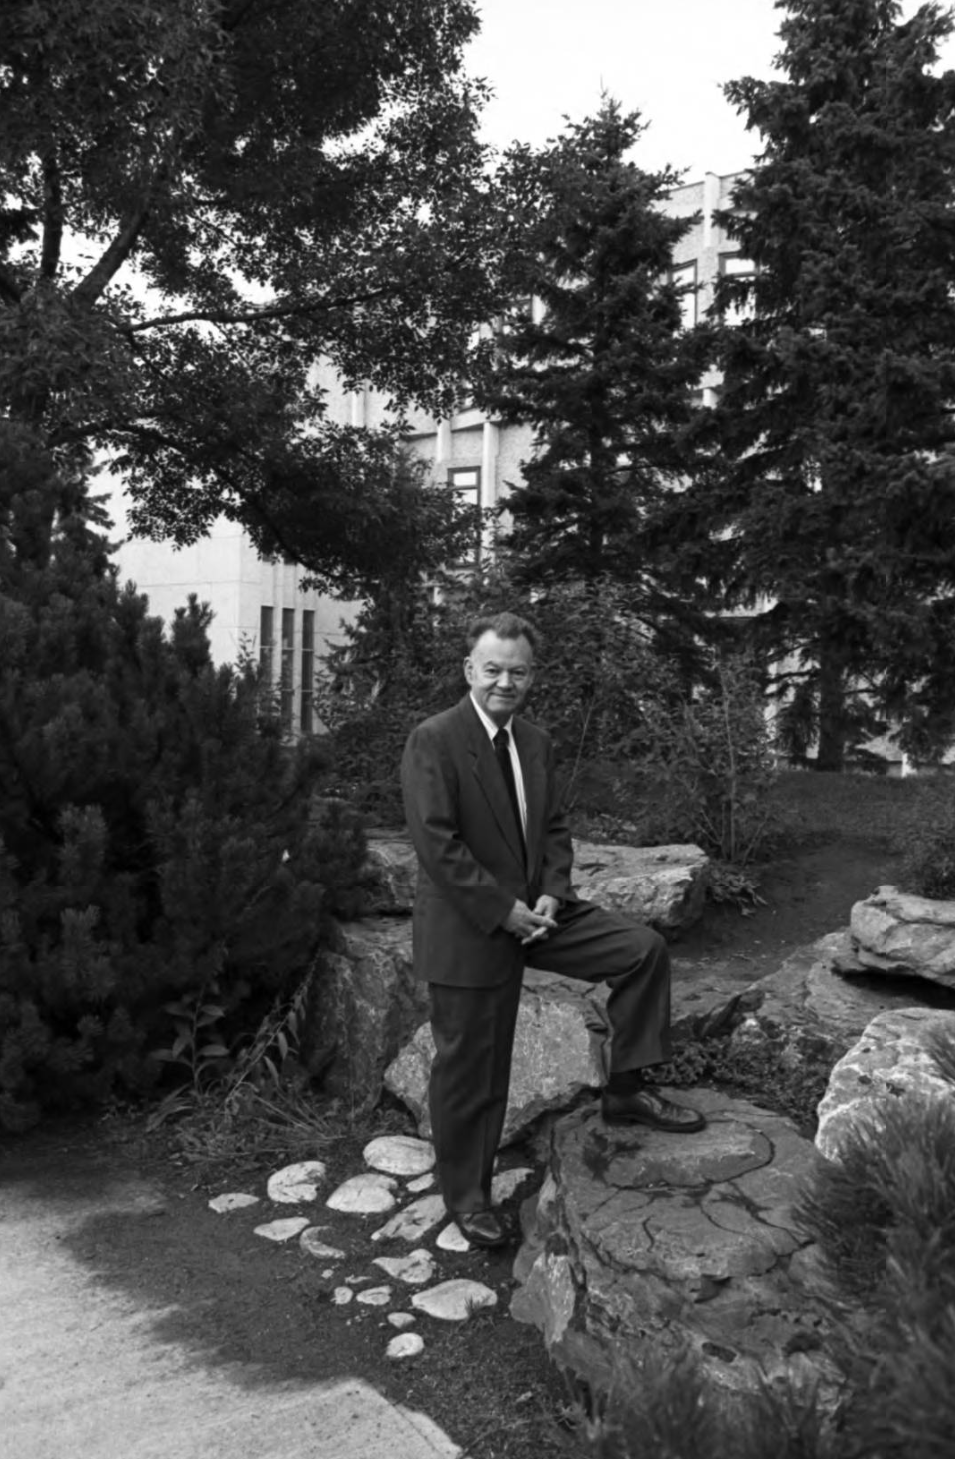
(666, 59)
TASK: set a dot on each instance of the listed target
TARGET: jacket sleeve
(558, 853)
(429, 787)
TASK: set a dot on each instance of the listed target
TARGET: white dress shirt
(492, 730)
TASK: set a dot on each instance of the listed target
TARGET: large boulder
(557, 1055)
(893, 1057)
(818, 1002)
(365, 1006)
(390, 874)
(894, 932)
(642, 1241)
(663, 886)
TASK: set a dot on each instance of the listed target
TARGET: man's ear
(469, 670)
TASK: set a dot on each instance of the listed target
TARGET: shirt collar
(488, 723)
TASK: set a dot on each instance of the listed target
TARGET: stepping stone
(294, 1184)
(401, 1319)
(282, 1230)
(405, 1345)
(423, 1183)
(451, 1239)
(234, 1201)
(342, 1296)
(505, 1184)
(364, 1195)
(413, 1221)
(375, 1296)
(399, 1155)
(415, 1269)
(310, 1241)
(453, 1301)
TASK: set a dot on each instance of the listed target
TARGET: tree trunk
(832, 708)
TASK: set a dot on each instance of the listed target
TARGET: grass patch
(813, 807)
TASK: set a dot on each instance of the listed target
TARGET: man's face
(500, 672)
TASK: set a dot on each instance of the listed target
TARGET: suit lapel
(488, 775)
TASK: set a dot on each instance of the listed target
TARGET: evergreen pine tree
(834, 518)
(156, 834)
(593, 355)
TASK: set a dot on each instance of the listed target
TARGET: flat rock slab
(399, 1155)
(893, 931)
(295, 1184)
(282, 1230)
(455, 1300)
(311, 1242)
(232, 1201)
(416, 1269)
(412, 1222)
(892, 1058)
(405, 1345)
(648, 1239)
(364, 1195)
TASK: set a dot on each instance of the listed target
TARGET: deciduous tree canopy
(203, 197)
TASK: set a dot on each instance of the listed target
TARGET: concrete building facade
(259, 606)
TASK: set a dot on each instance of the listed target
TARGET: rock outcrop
(643, 1240)
(819, 1001)
(894, 932)
(893, 1057)
(557, 1055)
(663, 886)
(366, 1006)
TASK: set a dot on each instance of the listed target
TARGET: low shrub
(926, 839)
(158, 846)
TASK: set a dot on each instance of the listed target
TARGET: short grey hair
(505, 625)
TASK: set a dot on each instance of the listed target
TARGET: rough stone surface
(820, 1001)
(454, 1300)
(363, 1195)
(413, 1221)
(893, 1057)
(451, 1239)
(342, 1296)
(415, 1269)
(557, 1054)
(401, 1319)
(374, 1296)
(311, 1242)
(405, 1345)
(506, 1182)
(232, 1201)
(295, 1184)
(642, 1239)
(282, 1230)
(390, 874)
(664, 886)
(399, 1155)
(370, 1003)
(423, 1183)
(893, 931)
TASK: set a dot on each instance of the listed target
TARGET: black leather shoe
(648, 1107)
(482, 1228)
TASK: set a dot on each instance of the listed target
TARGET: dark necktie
(503, 752)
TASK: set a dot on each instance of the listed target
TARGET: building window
(683, 275)
(465, 482)
(287, 678)
(266, 646)
(307, 716)
(732, 266)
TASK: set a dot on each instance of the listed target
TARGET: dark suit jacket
(471, 866)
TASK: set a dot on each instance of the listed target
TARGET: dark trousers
(473, 1032)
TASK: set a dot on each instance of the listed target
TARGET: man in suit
(494, 894)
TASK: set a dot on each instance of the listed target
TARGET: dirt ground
(231, 1297)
